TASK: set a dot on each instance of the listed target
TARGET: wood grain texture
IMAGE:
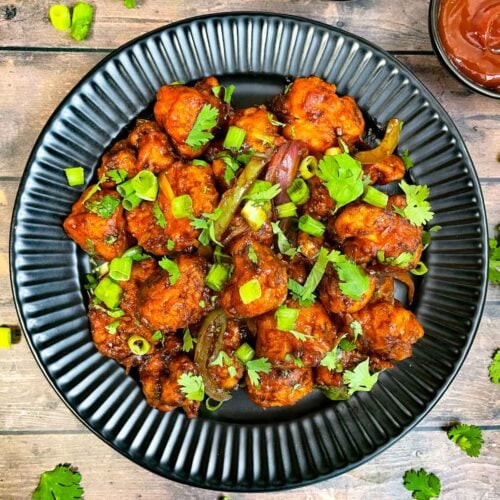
(115, 25)
(106, 474)
(48, 76)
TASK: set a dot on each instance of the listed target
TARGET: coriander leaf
(290, 358)
(299, 335)
(159, 216)
(284, 245)
(187, 341)
(330, 360)
(494, 368)
(402, 260)
(255, 366)
(346, 345)
(494, 262)
(252, 255)
(192, 386)
(206, 223)
(467, 437)
(205, 121)
(424, 485)
(360, 378)
(232, 167)
(60, 483)
(426, 235)
(418, 209)
(157, 336)
(357, 329)
(110, 240)
(104, 208)
(172, 269)
(315, 275)
(354, 282)
(222, 358)
(408, 162)
(342, 176)
(334, 393)
(265, 195)
(297, 291)
(111, 328)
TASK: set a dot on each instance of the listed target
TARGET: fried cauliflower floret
(154, 151)
(159, 377)
(280, 387)
(335, 301)
(268, 270)
(320, 205)
(239, 228)
(177, 108)
(145, 222)
(120, 157)
(363, 230)
(168, 307)
(221, 372)
(313, 336)
(388, 170)
(97, 224)
(261, 135)
(389, 330)
(316, 115)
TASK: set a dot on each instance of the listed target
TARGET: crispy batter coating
(280, 387)
(143, 223)
(221, 373)
(159, 377)
(320, 205)
(167, 307)
(363, 230)
(309, 246)
(316, 115)
(239, 228)
(261, 135)
(388, 170)
(335, 301)
(389, 330)
(154, 151)
(103, 238)
(283, 349)
(270, 272)
(177, 108)
(120, 157)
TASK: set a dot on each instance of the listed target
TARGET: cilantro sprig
(201, 133)
(192, 386)
(468, 438)
(418, 209)
(360, 378)
(206, 224)
(354, 282)
(105, 207)
(422, 484)
(61, 482)
(256, 366)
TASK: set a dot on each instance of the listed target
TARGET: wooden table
(38, 66)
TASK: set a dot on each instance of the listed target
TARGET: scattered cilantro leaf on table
(205, 121)
(61, 483)
(494, 262)
(468, 438)
(494, 368)
(422, 484)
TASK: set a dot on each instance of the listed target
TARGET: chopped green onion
(109, 292)
(182, 206)
(117, 175)
(245, 353)
(138, 345)
(262, 191)
(172, 269)
(5, 337)
(131, 201)
(234, 138)
(250, 291)
(299, 191)
(135, 253)
(111, 328)
(120, 268)
(311, 226)
(308, 167)
(75, 176)
(217, 276)
(375, 197)
(213, 405)
(286, 318)
(286, 210)
(200, 163)
(145, 185)
(60, 17)
(130, 4)
(420, 269)
(157, 336)
(255, 214)
(81, 20)
(315, 276)
(170, 245)
(125, 188)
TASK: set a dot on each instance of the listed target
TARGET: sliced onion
(407, 280)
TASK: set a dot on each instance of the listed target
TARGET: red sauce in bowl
(470, 34)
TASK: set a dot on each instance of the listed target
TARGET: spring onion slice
(217, 276)
(255, 214)
(311, 226)
(75, 176)
(60, 17)
(5, 337)
(420, 269)
(131, 201)
(308, 167)
(138, 345)
(245, 353)
(299, 191)
(213, 405)
(145, 185)
(234, 138)
(120, 268)
(172, 269)
(375, 197)
(286, 318)
(250, 291)
(182, 206)
(109, 292)
(81, 20)
(286, 210)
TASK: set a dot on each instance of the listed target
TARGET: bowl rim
(443, 56)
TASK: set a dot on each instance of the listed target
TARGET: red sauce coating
(470, 34)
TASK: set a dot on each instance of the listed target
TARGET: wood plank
(106, 474)
(34, 406)
(115, 25)
(47, 77)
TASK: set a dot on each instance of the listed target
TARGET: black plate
(243, 447)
